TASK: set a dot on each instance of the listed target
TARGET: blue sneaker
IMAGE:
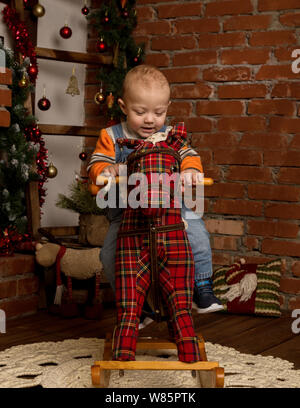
(204, 300)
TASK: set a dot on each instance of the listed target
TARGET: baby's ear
(130, 143)
(177, 137)
(122, 105)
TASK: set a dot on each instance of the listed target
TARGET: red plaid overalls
(153, 252)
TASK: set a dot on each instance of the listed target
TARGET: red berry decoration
(44, 104)
(65, 32)
(101, 46)
(28, 4)
(83, 156)
(85, 10)
(106, 18)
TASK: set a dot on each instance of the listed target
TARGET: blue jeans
(196, 232)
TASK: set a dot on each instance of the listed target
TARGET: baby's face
(145, 108)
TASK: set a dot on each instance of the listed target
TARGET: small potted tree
(93, 224)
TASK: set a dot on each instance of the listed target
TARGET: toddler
(145, 101)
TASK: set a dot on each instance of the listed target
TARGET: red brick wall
(18, 285)
(229, 66)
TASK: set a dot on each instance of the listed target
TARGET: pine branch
(80, 200)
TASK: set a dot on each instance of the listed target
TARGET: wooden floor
(247, 334)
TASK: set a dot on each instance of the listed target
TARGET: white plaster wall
(65, 109)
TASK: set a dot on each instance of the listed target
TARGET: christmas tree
(115, 21)
(17, 154)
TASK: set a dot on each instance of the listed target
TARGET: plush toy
(153, 256)
(79, 264)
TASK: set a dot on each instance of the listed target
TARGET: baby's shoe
(146, 319)
(204, 300)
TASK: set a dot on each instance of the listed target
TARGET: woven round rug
(67, 364)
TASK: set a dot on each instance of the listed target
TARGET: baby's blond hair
(147, 74)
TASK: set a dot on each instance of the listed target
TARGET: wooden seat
(209, 374)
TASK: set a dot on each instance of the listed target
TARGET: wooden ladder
(209, 374)
(32, 195)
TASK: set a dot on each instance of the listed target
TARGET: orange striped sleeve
(104, 155)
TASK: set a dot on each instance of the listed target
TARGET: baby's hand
(112, 170)
(190, 177)
(105, 177)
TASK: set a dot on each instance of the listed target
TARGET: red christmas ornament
(44, 104)
(32, 72)
(125, 13)
(106, 18)
(65, 32)
(85, 10)
(101, 46)
(83, 156)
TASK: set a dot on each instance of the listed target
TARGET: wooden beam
(33, 208)
(19, 6)
(69, 130)
(61, 231)
(72, 56)
(155, 365)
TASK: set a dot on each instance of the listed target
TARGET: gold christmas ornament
(99, 96)
(23, 81)
(73, 85)
(38, 10)
(51, 171)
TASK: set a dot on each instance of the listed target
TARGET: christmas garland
(21, 145)
(114, 22)
(22, 41)
(32, 133)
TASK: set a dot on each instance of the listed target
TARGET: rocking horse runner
(153, 254)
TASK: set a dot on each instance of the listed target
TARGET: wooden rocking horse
(154, 261)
